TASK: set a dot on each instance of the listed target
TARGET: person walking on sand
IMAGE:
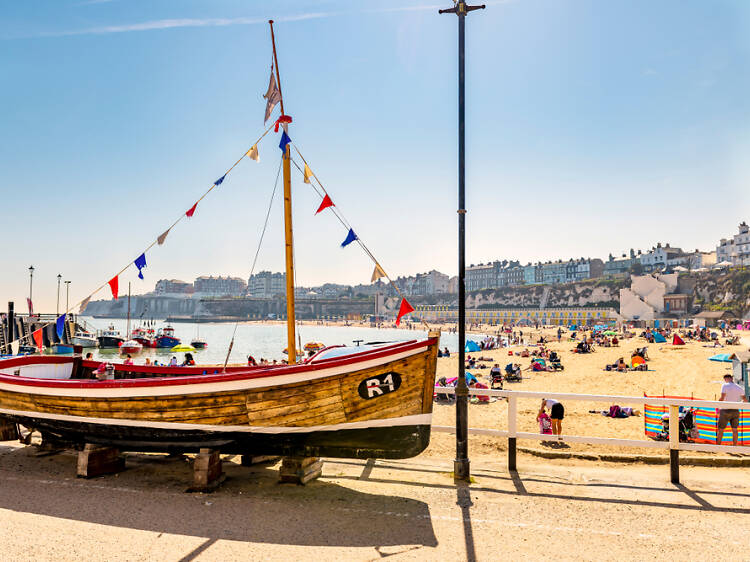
(730, 392)
(556, 414)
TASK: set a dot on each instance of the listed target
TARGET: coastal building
(649, 296)
(431, 283)
(521, 316)
(266, 285)
(173, 287)
(208, 285)
(735, 250)
(661, 257)
(482, 276)
(533, 274)
(617, 267)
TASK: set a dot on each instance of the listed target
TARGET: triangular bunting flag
(191, 211)
(38, 340)
(403, 310)
(325, 204)
(114, 284)
(84, 304)
(285, 140)
(220, 180)
(31, 306)
(253, 153)
(163, 237)
(377, 273)
(350, 237)
(14, 347)
(60, 326)
(140, 263)
(308, 173)
(272, 96)
(284, 121)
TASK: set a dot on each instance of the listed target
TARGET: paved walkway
(361, 510)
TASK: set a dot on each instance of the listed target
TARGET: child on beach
(545, 424)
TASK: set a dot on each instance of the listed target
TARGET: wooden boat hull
(374, 404)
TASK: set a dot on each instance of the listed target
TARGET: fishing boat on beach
(367, 401)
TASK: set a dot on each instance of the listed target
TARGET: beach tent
(472, 346)
(610, 333)
(721, 357)
(638, 360)
(677, 340)
(658, 338)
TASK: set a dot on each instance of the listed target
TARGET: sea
(261, 340)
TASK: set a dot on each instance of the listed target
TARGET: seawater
(259, 339)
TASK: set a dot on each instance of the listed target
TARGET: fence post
(512, 432)
(674, 443)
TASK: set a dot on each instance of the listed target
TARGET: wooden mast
(289, 240)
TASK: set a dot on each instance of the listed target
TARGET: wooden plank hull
(374, 404)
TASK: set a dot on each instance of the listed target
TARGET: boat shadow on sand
(250, 506)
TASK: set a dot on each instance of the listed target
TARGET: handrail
(673, 445)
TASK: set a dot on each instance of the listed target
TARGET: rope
(255, 259)
(130, 263)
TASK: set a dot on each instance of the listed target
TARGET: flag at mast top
(276, 66)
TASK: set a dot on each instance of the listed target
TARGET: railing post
(512, 432)
(674, 443)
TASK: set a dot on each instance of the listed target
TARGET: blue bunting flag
(285, 140)
(140, 263)
(351, 237)
(60, 325)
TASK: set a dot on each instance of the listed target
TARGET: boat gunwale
(247, 374)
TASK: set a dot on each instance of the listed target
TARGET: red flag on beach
(325, 204)
(403, 310)
(113, 284)
(37, 335)
(191, 210)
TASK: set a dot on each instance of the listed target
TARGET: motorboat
(110, 338)
(85, 339)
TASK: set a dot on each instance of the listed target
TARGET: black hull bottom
(391, 442)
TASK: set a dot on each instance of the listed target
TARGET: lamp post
(57, 310)
(31, 286)
(67, 296)
(461, 464)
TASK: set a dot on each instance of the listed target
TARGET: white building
(644, 300)
(266, 285)
(736, 250)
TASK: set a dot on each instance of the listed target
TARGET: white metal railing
(674, 444)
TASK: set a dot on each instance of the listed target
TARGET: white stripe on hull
(417, 419)
(208, 387)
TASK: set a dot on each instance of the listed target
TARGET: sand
(674, 370)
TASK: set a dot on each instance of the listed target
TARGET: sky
(591, 127)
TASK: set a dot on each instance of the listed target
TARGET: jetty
(14, 326)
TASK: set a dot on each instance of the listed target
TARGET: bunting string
(113, 282)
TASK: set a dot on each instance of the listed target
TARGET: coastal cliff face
(728, 291)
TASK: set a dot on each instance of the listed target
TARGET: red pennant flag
(191, 210)
(325, 204)
(403, 310)
(37, 335)
(113, 284)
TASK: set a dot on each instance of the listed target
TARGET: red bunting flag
(114, 284)
(38, 340)
(325, 204)
(403, 310)
(191, 210)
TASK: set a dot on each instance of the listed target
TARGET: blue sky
(592, 127)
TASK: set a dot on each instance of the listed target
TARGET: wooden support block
(96, 460)
(8, 430)
(207, 474)
(300, 470)
(249, 460)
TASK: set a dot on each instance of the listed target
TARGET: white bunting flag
(14, 346)
(253, 153)
(162, 237)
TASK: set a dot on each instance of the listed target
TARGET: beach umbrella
(721, 358)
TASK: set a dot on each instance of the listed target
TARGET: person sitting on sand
(621, 366)
(525, 353)
(446, 353)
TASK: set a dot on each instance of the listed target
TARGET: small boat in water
(145, 337)
(61, 348)
(197, 342)
(166, 338)
(130, 347)
(110, 338)
(85, 339)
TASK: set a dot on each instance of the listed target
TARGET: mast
(291, 347)
(127, 329)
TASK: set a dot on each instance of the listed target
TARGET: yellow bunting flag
(253, 153)
(308, 173)
(377, 273)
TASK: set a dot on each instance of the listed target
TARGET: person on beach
(557, 413)
(730, 392)
(545, 424)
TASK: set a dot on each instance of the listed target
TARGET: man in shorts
(730, 392)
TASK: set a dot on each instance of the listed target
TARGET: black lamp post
(31, 286)
(461, 464)
(57, 310)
